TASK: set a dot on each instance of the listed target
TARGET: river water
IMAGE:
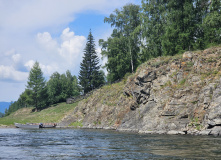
(53, 144)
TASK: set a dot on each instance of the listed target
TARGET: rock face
(173, 95)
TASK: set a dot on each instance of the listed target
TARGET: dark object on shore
(35, 125)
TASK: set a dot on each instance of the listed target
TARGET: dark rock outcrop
(173, 95)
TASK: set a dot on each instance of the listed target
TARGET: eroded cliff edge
(173, 95)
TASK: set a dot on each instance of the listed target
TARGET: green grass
(25, 115)
(76, 124)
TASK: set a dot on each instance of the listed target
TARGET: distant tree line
(159, 28)
(41, 94)
(156, 28)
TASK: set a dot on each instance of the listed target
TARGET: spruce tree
(89, 68)
(37, 87)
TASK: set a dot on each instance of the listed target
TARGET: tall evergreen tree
(37, 86)
(89, 68)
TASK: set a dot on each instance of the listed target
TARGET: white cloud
(29, 64)
(31, 15)
(71, 48)
(16, 58)
(9, 73)
(46, 40)
(31, 31)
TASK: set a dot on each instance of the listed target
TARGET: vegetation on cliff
(159, 28)
(173, 94)
(157, 91)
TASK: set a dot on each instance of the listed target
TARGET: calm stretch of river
(100, 144)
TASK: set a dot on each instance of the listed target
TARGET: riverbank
(167, 95)
(53, 114)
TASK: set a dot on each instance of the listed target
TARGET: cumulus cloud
(36, 14)
(46, 40)
(16, 58)
(71, 48)
(9, 73)
(29, 64)
(34, 31)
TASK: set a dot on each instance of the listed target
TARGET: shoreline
(207, 132)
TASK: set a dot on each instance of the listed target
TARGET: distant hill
(3, 106)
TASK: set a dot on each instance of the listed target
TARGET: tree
(201, 10)
(179, 27)
(76, 87)
(37, 86)
(212, 23)
(89, 68)
(61, 87)
(54, 88)
(153, 17)
(122, 48)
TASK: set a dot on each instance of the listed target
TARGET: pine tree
(37, 87)
(89, 68)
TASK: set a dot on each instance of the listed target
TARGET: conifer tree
(89, 68)
(37, 87)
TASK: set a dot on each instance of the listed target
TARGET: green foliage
(90, 76)
(196, 123)
(122, 48)
(61, 87)
(212, 23)
(1, 115)
(52, 114)
(37, 87)
(158, 28)
(76, 124)
(152, 27)
(182, 82)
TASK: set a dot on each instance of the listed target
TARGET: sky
(52, 32)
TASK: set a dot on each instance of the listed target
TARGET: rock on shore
(167, 95)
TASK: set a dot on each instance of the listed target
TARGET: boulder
(188, 55)
(216, 131)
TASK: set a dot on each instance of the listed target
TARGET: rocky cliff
(171, 95)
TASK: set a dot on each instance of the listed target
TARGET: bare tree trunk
(131, 58)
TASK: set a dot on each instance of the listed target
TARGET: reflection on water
(100, 144)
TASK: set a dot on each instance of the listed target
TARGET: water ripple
(50, 144)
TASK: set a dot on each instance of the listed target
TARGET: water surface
(101, 144)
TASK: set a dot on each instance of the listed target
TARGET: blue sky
(52, 32)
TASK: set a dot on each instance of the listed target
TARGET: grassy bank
(25, 115)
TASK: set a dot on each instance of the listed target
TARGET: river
(53, 144)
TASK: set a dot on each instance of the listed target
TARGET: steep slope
(173, 95)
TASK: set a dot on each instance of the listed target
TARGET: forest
(156, 28)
